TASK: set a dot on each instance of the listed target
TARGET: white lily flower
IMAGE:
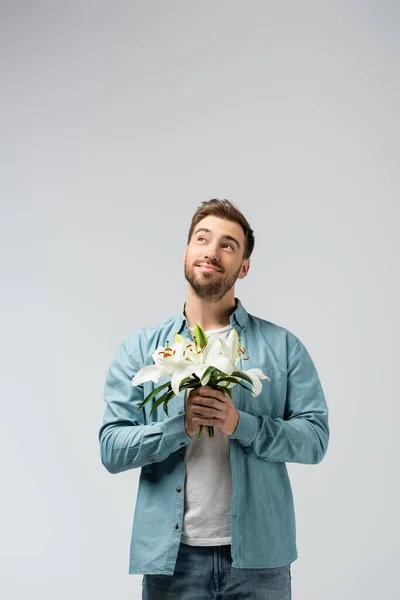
(150, 373)
(197, 363)
(231, 349)
(167, 361)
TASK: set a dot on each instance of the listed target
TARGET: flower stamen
(242, 351)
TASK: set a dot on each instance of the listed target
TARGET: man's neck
(209, 314)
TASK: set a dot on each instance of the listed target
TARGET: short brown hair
(224, 209)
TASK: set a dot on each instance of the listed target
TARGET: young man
(215, 516)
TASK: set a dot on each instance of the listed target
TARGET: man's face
(221, 247)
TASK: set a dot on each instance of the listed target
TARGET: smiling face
(220, 244)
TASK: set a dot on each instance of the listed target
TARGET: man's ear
(247, 265)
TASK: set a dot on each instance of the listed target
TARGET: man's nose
(212, 255)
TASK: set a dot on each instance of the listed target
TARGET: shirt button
(178, 488)
(180, 451)
(153, 459)
(176, 526)
(182, 444)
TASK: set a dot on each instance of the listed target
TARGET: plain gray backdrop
(117, 120)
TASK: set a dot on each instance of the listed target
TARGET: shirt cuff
(174, 432)
(246, 429)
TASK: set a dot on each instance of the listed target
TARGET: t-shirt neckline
(211, 331)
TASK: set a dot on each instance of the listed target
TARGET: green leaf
(190, 385)
(164, 398)
(226, 391)
(188, 382)
(207, 371)
(219, 373)
(166, 407)
(242, 375)
(234, 380)
(154, 393)
(228, 378)
(245, 387)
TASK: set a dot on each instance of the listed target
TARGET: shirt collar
(238, 317)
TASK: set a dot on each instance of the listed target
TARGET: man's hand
(206, 406)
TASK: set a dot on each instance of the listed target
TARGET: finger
(208, 410)
(210, 393)
(212, 406)
(207, 414)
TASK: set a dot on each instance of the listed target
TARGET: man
(215, 517)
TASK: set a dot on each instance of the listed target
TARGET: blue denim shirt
(287, 422)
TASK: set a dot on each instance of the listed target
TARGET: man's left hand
(214, 407)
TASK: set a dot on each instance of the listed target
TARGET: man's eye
(203, 238)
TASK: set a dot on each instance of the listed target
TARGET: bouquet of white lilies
(192, 365)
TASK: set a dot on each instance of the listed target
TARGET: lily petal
(225, 349)
(233, 343)
(150, 373)
(206, 379)
(255, 376)
(222, 363)
(259, 373)
(177, 377)
(213, 349)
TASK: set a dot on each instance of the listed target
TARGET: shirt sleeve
(126, 442)
(302, 435)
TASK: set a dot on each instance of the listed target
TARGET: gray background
(117, 120)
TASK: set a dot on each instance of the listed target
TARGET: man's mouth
(209, 268)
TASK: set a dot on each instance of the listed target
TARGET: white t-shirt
(208, 483)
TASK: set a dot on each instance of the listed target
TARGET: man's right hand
(190, 427)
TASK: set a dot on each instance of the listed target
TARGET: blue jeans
(205, 573)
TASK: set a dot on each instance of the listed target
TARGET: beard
(212, 286)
